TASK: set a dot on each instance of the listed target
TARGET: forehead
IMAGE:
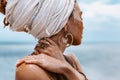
(76, 14)
(77, 8)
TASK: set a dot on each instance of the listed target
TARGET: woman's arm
(54, 65)
(52, 59)
(76, 71)
(72, 74)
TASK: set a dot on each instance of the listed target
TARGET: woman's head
(75, 26)
(72, 31)
(41, 20)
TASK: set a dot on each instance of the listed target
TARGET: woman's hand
(53, 65)
(52, 49)
(50, 58)
(46, 62)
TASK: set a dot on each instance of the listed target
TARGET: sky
(101, 20)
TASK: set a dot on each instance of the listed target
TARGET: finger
(19, 62)
(46, 51)
(51, 41)
(38, 59)
(44, 41)
(31, 61)
(44, 44)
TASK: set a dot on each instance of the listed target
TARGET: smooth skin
(35, 67)
(54, 64)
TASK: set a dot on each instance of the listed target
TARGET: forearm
(71, 74)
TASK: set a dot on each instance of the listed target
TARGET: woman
(48, 62)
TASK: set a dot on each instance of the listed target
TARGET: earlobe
(69, 38)
(5, 22)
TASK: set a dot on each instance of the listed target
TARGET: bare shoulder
(73, 59)
(31, 72)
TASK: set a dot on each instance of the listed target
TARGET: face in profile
(76, 25)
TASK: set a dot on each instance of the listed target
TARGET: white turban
(40, 18)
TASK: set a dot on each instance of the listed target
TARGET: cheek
(78, 30)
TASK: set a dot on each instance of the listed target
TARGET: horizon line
(30, 42)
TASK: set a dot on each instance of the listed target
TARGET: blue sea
(100, 61)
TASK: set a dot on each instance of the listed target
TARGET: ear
(68, 35)
(69, 38)
(75, 27)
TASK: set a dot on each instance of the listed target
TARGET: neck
(58, 39)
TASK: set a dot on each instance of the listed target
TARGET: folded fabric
(40, 18)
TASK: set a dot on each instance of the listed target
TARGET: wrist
(70, 73)
(67, 69)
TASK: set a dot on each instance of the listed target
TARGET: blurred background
(99, 53)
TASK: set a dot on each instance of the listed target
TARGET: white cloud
(100, 8)
(101, 21)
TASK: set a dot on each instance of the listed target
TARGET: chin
(76, 43)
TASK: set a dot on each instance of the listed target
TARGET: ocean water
(100, 61)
